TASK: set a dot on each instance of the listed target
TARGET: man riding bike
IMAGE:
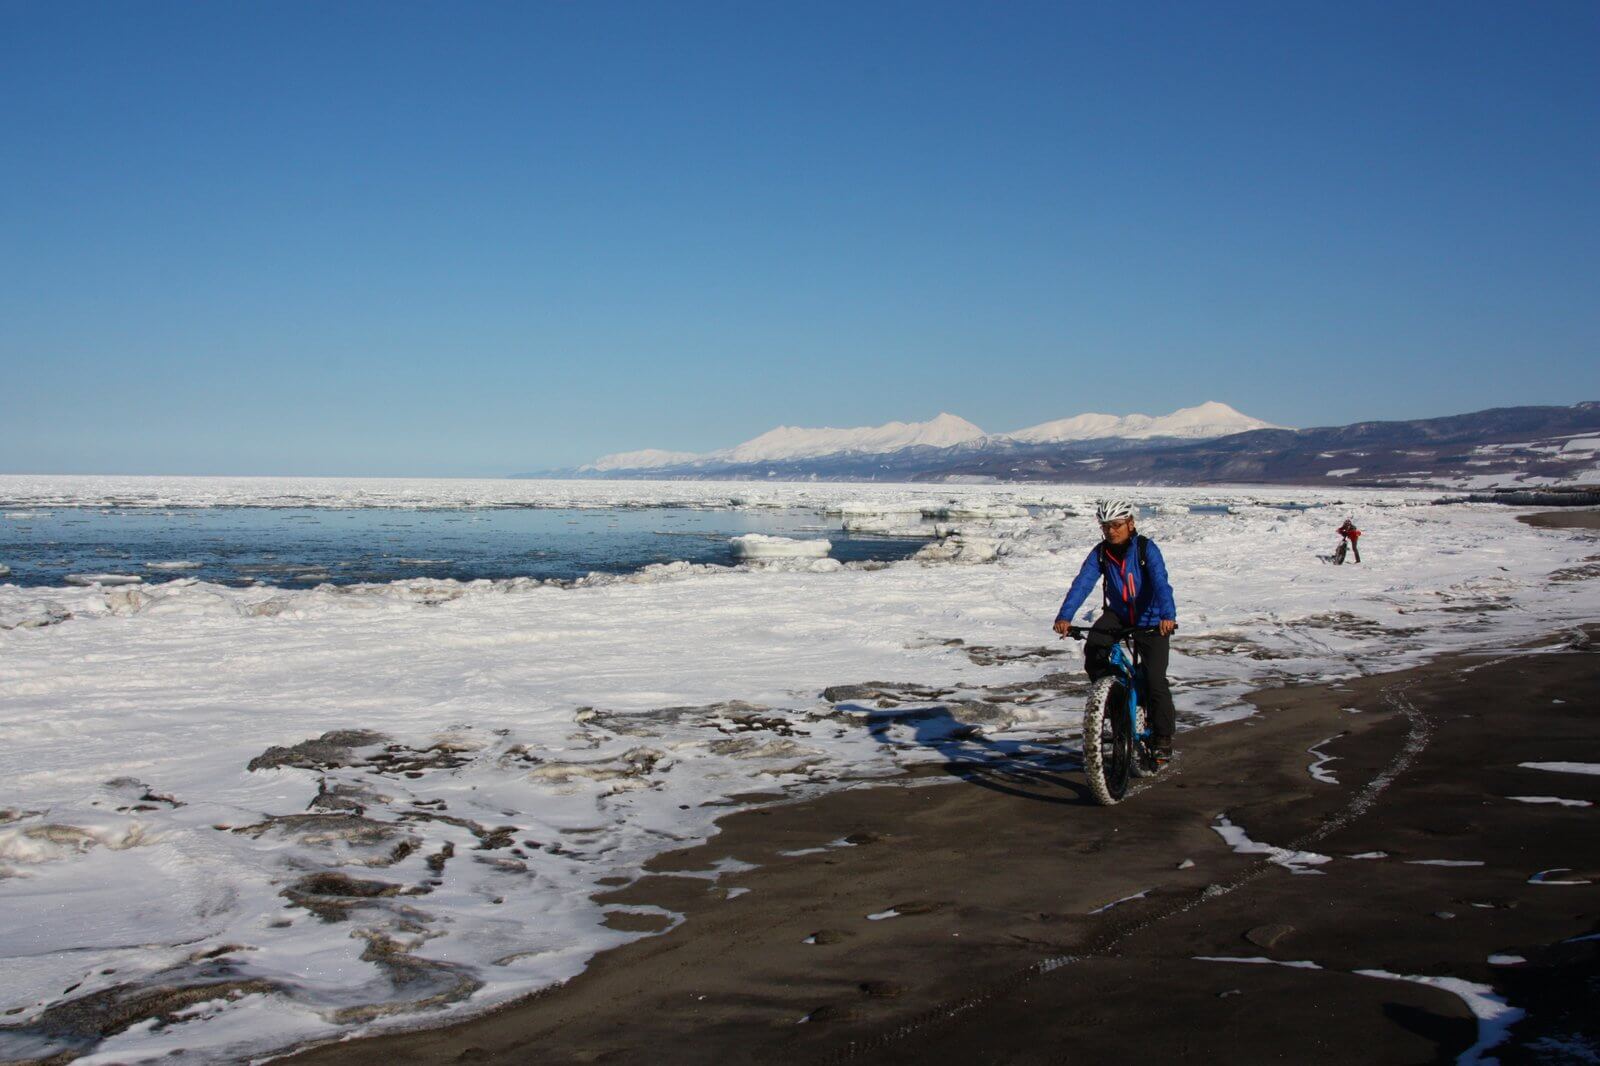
(1137, 593)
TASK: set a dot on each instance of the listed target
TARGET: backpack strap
(1105, 592)
(1105, 580)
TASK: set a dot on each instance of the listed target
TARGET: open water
(303, 547)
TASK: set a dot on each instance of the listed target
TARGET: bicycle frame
(1126, 663)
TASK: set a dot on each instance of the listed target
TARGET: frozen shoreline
(599, 721)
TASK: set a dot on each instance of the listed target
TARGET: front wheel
(1107, 741)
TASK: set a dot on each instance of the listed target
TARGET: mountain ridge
(1502, 447)
(945, 430)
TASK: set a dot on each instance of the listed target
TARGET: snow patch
(1564, 767)
(1552, 799)
(1495, 1016)
(1294, 861)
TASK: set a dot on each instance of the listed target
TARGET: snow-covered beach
(503, 748)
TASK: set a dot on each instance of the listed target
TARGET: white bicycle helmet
(1111, 510)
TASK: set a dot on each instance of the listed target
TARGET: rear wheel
(1107, 741)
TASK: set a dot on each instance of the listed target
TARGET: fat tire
(1105, 781)
(1142, 764)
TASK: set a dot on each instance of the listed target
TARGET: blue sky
(469, 239)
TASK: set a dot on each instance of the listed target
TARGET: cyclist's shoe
(1161, 750)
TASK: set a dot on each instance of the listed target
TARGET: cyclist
(1348, 535)
(1137, 593)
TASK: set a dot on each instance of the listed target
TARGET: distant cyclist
(1348, 535)
(1137, 593)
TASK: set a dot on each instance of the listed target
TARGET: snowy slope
(795, 442)
(791, 443)
(645, 459)
(1210, 419)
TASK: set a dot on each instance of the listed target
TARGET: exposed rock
(343, 797)
(756, 748)
(980, 712)
(431, 983)
(325, 828)
(984, 655)
(70, 1029)
(1268, 936)
(332, 749)
(634, 764)
(878, 690)
(437, 860)
(330, 894)
(882, 989)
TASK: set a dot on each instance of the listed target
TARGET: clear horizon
(402, 239)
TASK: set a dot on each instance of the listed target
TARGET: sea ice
(760, 546)
(543, 736)
(103, 579)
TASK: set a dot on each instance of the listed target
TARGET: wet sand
(975, 919)
(1576, 518)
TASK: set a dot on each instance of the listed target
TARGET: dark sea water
(303, 547)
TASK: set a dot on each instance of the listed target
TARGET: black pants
(1153, 653)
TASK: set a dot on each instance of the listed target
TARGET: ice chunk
(959, 549)
(758, 546)
(103, 579)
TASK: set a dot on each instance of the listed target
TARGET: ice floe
(103, 579)
(759, 546)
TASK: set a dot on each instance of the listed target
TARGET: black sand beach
(1004, 949)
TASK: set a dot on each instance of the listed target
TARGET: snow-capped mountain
(788, 444)
(646, 459)
(794, 442)
(1523, 447)
(1210, 419)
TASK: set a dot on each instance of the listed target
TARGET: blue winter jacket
(1149, 593)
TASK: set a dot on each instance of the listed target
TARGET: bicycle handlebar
(1119, 633)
